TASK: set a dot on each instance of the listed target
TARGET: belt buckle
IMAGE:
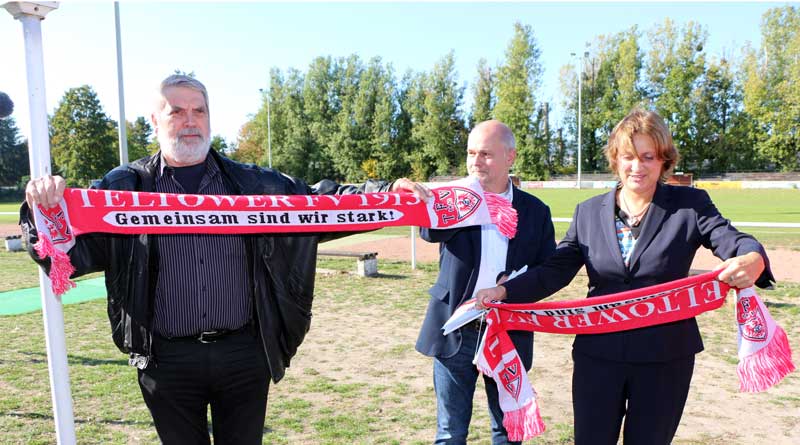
(208, 337)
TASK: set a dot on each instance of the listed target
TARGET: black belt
(214, 335)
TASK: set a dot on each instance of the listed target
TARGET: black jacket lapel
(513, 243)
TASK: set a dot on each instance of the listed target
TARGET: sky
(232, 47)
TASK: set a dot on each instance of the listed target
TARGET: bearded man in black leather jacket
(207, 319)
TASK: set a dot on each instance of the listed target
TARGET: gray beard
(183, 153)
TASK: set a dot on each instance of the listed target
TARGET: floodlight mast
(31, 14)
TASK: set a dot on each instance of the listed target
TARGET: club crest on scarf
(455, 204)
(510, 377)
(750, 318)
(57, 225)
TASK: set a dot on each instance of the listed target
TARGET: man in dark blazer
(470, 259)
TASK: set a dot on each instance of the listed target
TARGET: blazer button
(627, 281)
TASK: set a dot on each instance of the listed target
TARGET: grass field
(774, 205)
(357, 378)
(9, 207)
(771, 205)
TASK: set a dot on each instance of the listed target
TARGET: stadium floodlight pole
(580, 89)
(123, 130)
(265, 93)
(269, 133)
(580, 116)
(31, 15)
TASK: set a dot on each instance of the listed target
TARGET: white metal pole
(580, 89)
(31, 15)
(413, 247)
(123, 131)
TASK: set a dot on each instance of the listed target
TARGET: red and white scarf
(764, 353)
(458, 204)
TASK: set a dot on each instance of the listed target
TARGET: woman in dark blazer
(641, 234)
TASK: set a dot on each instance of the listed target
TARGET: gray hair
(183, 81)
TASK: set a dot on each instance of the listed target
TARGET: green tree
(13, 154)
(322, 97)
(409, 108)
(349, 146)
(248, 149)
(387, 155)
(292, 148)
(559, 163)
(219, 144)
(610, 88)
(139, 134)
(438, 128)
(286, 135)
(483, 95)
(363, 143)
(771, 89)
(724, 130)
(675, 71)
(517, 80)
(83, 141)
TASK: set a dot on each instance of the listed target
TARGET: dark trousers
(650, 396)
(231, 375)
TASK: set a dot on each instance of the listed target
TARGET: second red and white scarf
(764, 353)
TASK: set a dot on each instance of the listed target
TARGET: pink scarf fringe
(524, 423)
(60, 267)
(502, 214)
(760, 371)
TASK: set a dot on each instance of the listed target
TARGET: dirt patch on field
(783, 261)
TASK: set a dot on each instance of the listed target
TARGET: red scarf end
(524, 423)
(60, 267)
(768, 366)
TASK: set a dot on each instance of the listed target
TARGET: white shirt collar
(509, 193)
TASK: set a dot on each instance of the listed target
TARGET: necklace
(633, 218)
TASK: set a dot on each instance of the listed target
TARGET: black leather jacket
(283, 266)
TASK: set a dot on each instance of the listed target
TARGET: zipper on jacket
(251, 241)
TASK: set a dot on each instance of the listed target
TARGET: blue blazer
(679, 221)
(459, 260)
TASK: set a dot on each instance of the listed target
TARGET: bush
(12, 194)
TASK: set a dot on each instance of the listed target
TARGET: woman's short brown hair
(648, 123)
